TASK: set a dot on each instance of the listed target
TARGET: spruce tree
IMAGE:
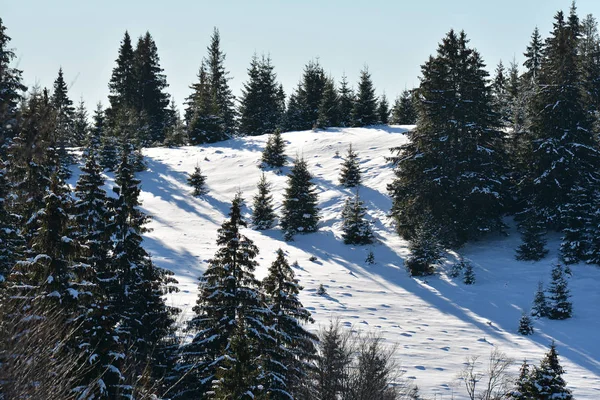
(202, 113)
(533, 57)
(197, 181)
(218, 80)
(300, 213)
(288, 360)
(274, 153)
(11, 242)
(579, 219)
(404, 111)
(452, 169)
(525, 325)
(335, 357)
(534, 244)
(308, 97)
(559, 307)
(176, 133)
(547, 380)
(383, 110)
(64, 128)
(260, 109)
(540, 308)
(524, 389)
(350, 175)
(345, 103)
(425, 252)
(329, 115)
(224, 353)
(469, 276)
(80, 125)
(263, 215)
(123, 81)
(356, 229)
(500, 94)
(364, 112)
(294, 114)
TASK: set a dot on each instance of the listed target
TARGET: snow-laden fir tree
(425, 252)
(228, 328)
(539, 308)
(198, 182)
(356, 228)
(469, 275)
(300, 213)
(274, 153)
(383, 110)
(328, 109)
(289, 359)
(364, 112)
(559, 305)
(345, 103)
(350, 175)
(64, 114)
(579, 217)
(263, 214)
(533, 57)
(525, 325)
(547, 380)
(523, 389)
(533, 247)
(403, 110)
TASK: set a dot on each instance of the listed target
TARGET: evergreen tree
(589, 55)
(469, 276)
(274, 153)
(350, 175)
(547, 380)
(452, 168)
(345, 103)
(329, 114)
(364, 112)
(198, 182)
(425, 252)
(80, 125)
(356, 229)
(500, 94)
(559, 307)
(263, 215)
(123, 81)
(308, 98)
(383, 110)
(534, 244)
(176, 134)
(404, 111)
(524, 389)
(300, 212)
(260, 109)
(64, 127)
(11, 89)
(294, 117)
(202, 113)
(335, 357)
(540, 307)
(579, 221)
(525, 325)
(288, 360)
(227, 327)
(11, 242)
(533, 57)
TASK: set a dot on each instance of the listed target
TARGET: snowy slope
(435, 322)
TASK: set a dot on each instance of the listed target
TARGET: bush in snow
(525, 325)
(197, 181)
(321, 290)
(370, 258)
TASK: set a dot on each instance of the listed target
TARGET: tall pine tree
(364, 112)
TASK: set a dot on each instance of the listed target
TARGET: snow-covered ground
(436, 322)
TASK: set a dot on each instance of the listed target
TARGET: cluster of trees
(522, 144)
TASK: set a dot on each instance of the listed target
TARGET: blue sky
(392, 37)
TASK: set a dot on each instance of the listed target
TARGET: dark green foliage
(202, 113)
(469, 276)
(580, 227)
(274, 153)
(524, 389)
(11, 242)
(287, 360)
(350, 175)
(198, 182)
(227, 327)
(364, 112)
(345, 103)
(303, 106)
(370, 260)
(335, 356)
(540, 307)
(300, 213)
(500, 95)
(425, 252)
(64, 128)
(80, 125)
(329, 114)
(321, 291)
(533, 57)
(263, 215)
(559, 305)
(383, 110)
(452, 168)
(176, 133)
(525, 325)
(546, 380)
(534, 244)
(11, 89)
(260, 106)
(404, 110)
(356, 228)
(123, 82)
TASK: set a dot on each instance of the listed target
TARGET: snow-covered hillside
(436, 322)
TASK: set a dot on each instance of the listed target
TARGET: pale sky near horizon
(392, 37)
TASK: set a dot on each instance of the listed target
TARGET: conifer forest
(312, 242)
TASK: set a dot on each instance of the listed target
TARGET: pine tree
(559, 307)
(452, 167)
(176, 133)
(525, 325)
(469, 276)
(364, 112)
(202, 113)
(260, 109)
(123, 81)
(533, 57)
(534, 244)
(308, 97)
(274, 153)
(300, 212)
(11, 90)
(227, 327)
(540, 307)
(329, 115)
(356, 229)
(404, 111)
(500, 94)
(383, 110)
(80, 124)
(294, 117)
(350, 175)
(198, 182)
(64, 114)
(425, 252)
(547, 380)
(219, 87)
(579, 221)
(287, 361)
(263, 215)
(345, 103)
(524, 389)
(589, 51)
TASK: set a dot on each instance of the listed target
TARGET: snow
(436, 322)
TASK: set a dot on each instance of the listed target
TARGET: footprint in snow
(446, 348)
(420, 367)
(439, 369)
(406, 334)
